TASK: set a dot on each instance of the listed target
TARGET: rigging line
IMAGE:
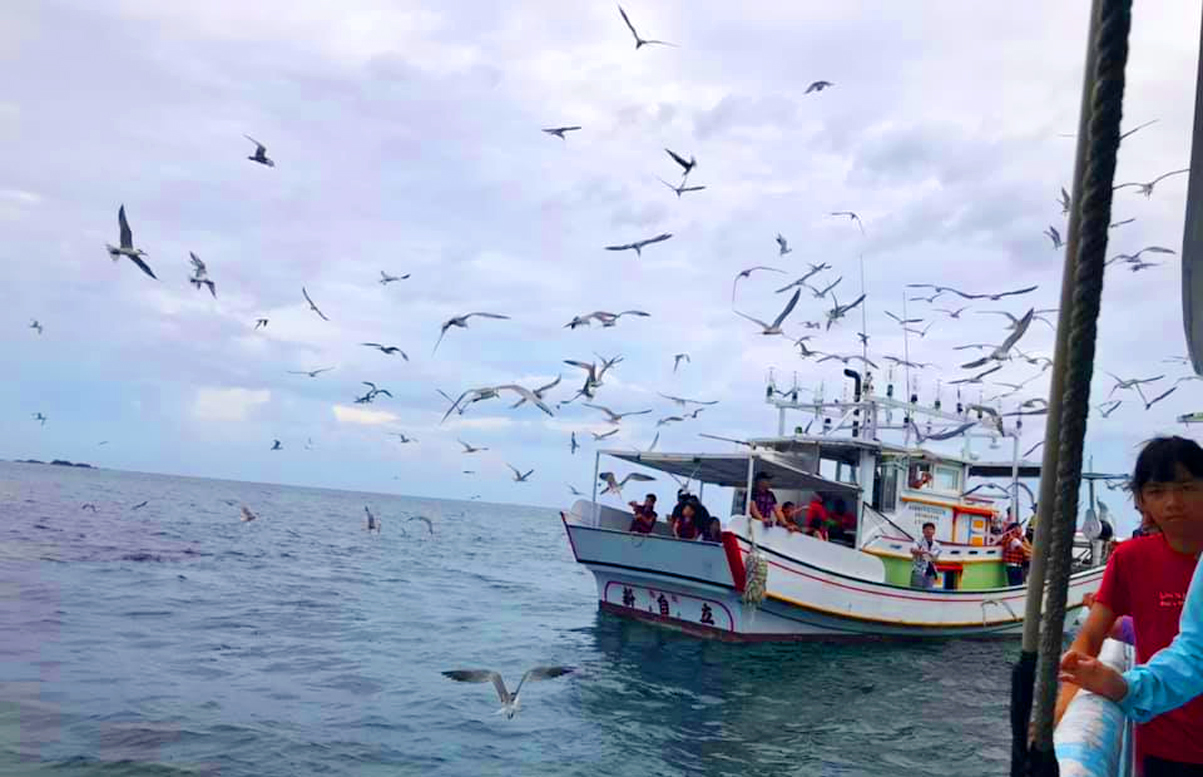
(906, 355)
(864, 327)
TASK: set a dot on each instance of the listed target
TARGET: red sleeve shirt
(1147, 579)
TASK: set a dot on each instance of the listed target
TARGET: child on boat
(1147, 578)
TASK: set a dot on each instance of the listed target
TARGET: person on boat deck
(1148, 578)
(645, 515)
(763, 506)
(685, 523)
(924, 553)
(920, 475)
(1015, 551)
(843, 521)
(817, 518)
(789, 514)
(1169, 680)
(709, 528)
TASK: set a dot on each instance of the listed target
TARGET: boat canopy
(731, 469)
(1003, 469)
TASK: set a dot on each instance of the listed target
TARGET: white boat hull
(815, 590)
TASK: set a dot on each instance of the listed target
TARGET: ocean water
(176, 640)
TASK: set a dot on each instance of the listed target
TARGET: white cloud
(227, 404)
(363, 416)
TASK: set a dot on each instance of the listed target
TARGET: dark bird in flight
(140, 505)
(462, 323)
(126, 247)
(687, 166)
(1055, 236)
(641, 42)
(1147, 188)
(310, 373)
(200, 275)
(639, 245)
(680, 189)
(388, 350)
(559, 131)
(40, 417)
(782, 248)
(88, 506)
(260, 322)
(818, 86)
(851, 216)
(36, 326)
(260, 154)
(312, 306)
(276, 446)
(386, 279)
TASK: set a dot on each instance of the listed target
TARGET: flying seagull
(88, 506)
(260, 322)
(372, 393)
(1015, 321)
(846, 359)
(373, 522)
(36, 326)
(783, 245)
(1002, 352)
(312, 306)
(489, 392)
(1150, 402)
(1135, 258)
(839, 311)
(852, 216)
(387, 350)
(470, 448)
(641, 42)
(573, 444)
(639, 245)
(946, 434)
(814, 270)
(616, 418)
(403, 438)
(462, 323)
(775, 327)
(614, 486)
(386, 279)
(669, 419)
(966, 295)
(200, 275)
(574, 490)
(310, 373)
(277, 446)
(1064, 202)
(260, 154)
(904, 321)
(539, 392)
(518, 476)
(604, 436)
(977, 378)
(821, 293)
(747, 274)
(1147, 188)
(1130, 383)
(1108, 407)
(126, 247)
(686, 165)
(682, 401)
(40, 417)
(952, 313)
(140, 505)
(680, 189)
(247, 515)
(1054, 235)
(678, 358)
(817, 86)
(509, 702)
(559, 131)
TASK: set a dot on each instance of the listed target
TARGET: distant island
(56, 463)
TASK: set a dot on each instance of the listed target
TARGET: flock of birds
(817, 281)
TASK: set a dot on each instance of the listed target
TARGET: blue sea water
(175, 639)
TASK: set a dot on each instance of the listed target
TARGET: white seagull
(775, 327)
(126, 245)
(641, 42)
(260, 154)
(462, 323)
(509, 702)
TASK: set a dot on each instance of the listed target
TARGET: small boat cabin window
(947, 478)
(919, 475)
(885, 487)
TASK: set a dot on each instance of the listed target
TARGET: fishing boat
(767, 583)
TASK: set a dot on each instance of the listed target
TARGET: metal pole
(748, 492)
(1024, 674)
(1015, 478)
(1192, 237)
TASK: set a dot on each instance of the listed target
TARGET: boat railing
(1094, 739)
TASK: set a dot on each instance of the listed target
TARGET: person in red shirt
(817, 519)
(645, 515)
(1147, 578)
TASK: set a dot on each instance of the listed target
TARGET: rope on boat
(1115, 21)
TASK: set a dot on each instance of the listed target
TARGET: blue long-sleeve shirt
(1174, 675)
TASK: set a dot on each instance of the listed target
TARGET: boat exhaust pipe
(856, 397)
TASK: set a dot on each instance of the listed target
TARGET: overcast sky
(407, 139)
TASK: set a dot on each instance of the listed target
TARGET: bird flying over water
(470, 448)
(140, 505)
(1003, 351)
(904, 321)
(603, 436)
(539, 392)
(386, 279)
(966, 295)
(403, 438)
(559, 132)
(277, 446)
(312, 306)
(387, 350)
(1147, 188)
(639, 245)
(247, 515)
(818, 86)
(641, 42)
(40, 417)
(125, 245)
(775, 327)
(490, 392)
(310, 373)
(88, 506)
(260, 154)
(614, 486)
(509, 702)
(429, 523)
(36, 326)
(616, 418)
(462, 323)
(682, 401)
(518, 476)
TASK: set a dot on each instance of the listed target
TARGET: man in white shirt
(924, 553)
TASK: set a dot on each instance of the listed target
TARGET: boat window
(885, 488)
(948, 479)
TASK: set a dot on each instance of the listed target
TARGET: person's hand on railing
(1093, 675)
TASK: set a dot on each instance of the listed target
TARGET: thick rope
(1106, 112)
(756, 574)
